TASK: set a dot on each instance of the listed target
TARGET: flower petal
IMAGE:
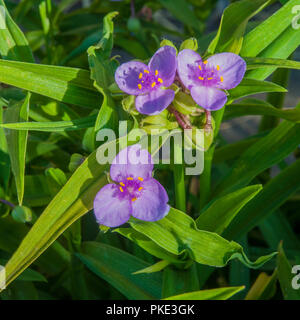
(209, 98)
(232, 69)
(152, 204)
(127, 77)
(165, 62)
(154, 102)
(188, 62)
(132, 162)
(110, 208)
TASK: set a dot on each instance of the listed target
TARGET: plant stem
(205, 177)
(180, 198)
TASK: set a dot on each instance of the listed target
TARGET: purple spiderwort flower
(147, 82)
(134, 192)
(207, 79)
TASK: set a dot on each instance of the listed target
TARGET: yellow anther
(153, 84)
(141, 179)
(139, 86)
(218, 68)
(160, 80)
(222, 79)
(199, 67)
(205, 62)
(121, 189)
(122, 184)
(133, 199)
(129, 178)
(201, 78)
(140, 75)
(156, 72)
(209, 78)
(140, 188)
(146, 71)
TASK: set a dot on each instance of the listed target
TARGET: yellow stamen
(153, 84)
(133, 199)
(160, 80)
(122, 184)
(222, 79)
(140, 188)
(121, 189)
(141, 179)
(140, 75)
(201, 78)
(205, 62)
(146, 71)
(156, 72)
(199, 67)
(139, 86)
(209, 78)
(129, 178)
(218, 68)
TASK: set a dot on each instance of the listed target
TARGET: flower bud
(22, 214)
(129, 105)
(190, 43)
(166, 42)
(184, 103)
(133, 24)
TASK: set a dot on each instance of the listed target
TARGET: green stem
(205, 177)
(180, 198)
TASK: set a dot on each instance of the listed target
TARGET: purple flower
(206, 79)
(147, 82)
(134, 192)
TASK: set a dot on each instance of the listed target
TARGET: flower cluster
(206, 80)
(134, 191)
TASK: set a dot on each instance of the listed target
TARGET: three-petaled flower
(206, 79)
(147, 83)
(134, 193)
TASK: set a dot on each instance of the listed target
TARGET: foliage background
(249, 191)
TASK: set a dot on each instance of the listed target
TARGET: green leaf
(177, 233)
(259, 62)
(102, 72)
(285, 276)
(263, 288)
(189, 280)
(4, 156)
(160, 265)
(69, 85)
(250, 86)
(273, 195)
(53, 126)
(17, 143)
(210, 294)
(233, 25)
(260, 107)
(147, 244)
(268, 31)
(13, 44)
(217, 216)
(265, 153)
(117, 267)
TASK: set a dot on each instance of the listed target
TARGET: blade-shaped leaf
(117, 268)
(218, 215)
(13, 44)
(17, 143)
(210, 294)
(69, 85)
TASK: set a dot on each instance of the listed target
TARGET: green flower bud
(128, 105)
(191, 43)
(133, 24)
(184, 103)
(167, 42)
(159, 121)
(22, 214)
